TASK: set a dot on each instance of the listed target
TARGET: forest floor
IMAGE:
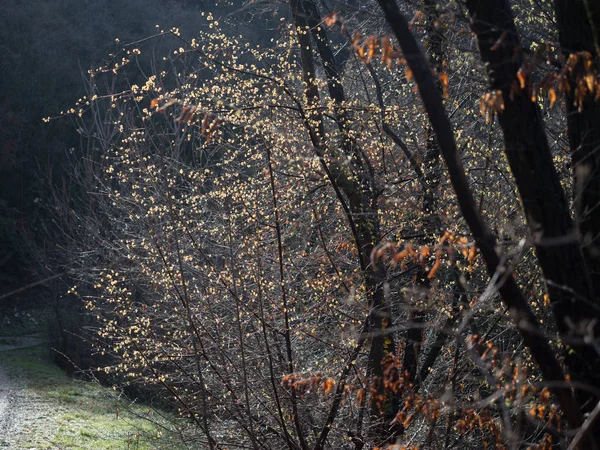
(42, 408)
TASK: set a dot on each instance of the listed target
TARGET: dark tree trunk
(357, 192)
(583, 122)
(593, 15)
(431, 220)
(528, 153)
(362, 200)
(510, 293)
(546, 208)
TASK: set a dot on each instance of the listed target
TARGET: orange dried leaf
(167, 105)
(386, 48)
(534, 93)
(483, 106)
(371, 45)
(436, 265)
(330, 19)
(552, 96)
(377, 252)
(375, 255)
(416, 18)
(472, 253)
(412, 253)
(186, 115)
(328, 385)
(545, 395)
(205, 124)
(446, 236)
(212, 128)
(360, 396)
(361, 52)
(399, 257)
(444, 80)
(590, 82)
(522, 77)
(572, 61)
(408, 73)
(499, 101)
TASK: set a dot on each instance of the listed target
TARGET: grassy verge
(57, 412)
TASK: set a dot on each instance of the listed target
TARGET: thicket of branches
(320, 244)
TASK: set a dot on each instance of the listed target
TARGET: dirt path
(42, 408)
(14, 403)
(7, 404)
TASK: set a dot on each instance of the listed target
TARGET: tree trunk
(583, 121)
(521, 313)
(546, 209)
(359, 190)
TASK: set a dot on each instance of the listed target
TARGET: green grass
(73, 414)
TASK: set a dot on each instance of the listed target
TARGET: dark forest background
(46, 51)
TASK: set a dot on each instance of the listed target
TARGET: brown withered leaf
(328, 385)
(522, 77)
(552, 96)
(371, 45)
(386, 48)
(331, 19)
(444, 80)
(187, 112)
(590, 81)
(205, 123)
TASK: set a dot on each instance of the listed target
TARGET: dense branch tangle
(221, 217)
(247, 203)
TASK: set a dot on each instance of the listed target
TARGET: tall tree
(574, 302)
(357, 184)
(492, 23)
(583, 121)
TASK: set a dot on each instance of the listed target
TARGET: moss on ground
(57, 412)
